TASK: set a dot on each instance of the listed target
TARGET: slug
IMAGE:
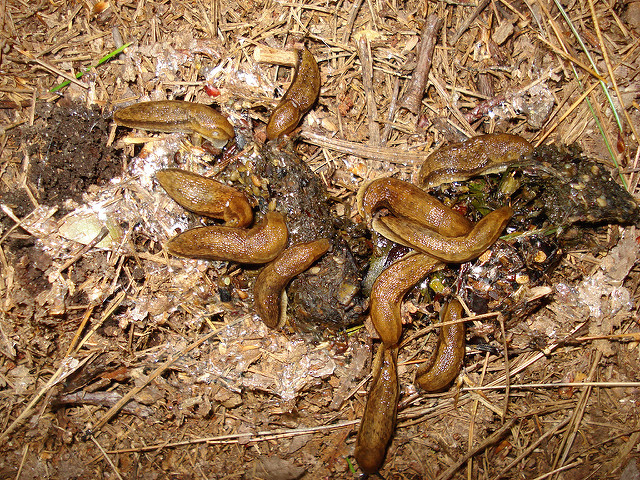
(448, 249)
(390, 288)
(206, 196)
(379, 419)
(404, 199)
(299, 98)
(259, 244)
(446, 361)
(177, 116)
(484, 154)
(269, 299)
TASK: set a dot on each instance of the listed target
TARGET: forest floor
(118, 360)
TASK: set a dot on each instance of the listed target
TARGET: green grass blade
(104, 59)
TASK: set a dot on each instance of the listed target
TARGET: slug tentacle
(206, 196)
(405, 200)
(445, 363)
(484, 154)
(447, 249)
(177, 116)
(269, 299)
(298, 99)
(256, 245)
(379, 418)
(390, 288)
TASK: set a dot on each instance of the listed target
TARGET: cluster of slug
(436, 233)
(266, 241)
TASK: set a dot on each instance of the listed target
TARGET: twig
(53, 69)
(102, 399)
(364, 53)
(612, 77)
(352, 20)
(452, 106)
(66, 368)
(85, 248)
(412, 98)
(24, 459)
(393, 107)
(572, 432)
(463, 28)
(113, 305)
(390, 155)
(506, 366)
(518, 386)
(244, 437)
(532, 447)
(275, 56)
(558, 470)
(106, 457)
(573, 106)
(488, 442)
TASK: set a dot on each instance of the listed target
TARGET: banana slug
(379, 418)
(390, 288)
(259, 244)
(446, 361)
(484, 154)
(298, 99)
(177, 116)
(448, 249)
(269, 300)
(206, 196)
(404, 199)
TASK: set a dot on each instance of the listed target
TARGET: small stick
(364, 52)
(532, 447)
(393, 108)
(106, 457)
(412, 98)
(463, 28)
(104, 231)
(478, 448)
(244, 437)
(275, 56)
(67, 366)
(53, 69)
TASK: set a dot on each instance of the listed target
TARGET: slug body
(379, 419)
(177, 116)
(206, 196)
(405, 200)
(256, 245)
(448, 249)
(446, 361)
(484, 154)
(299, 98)
(390, 288)
(268, 291)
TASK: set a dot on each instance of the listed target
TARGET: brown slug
(206, 196)
(390, 288)
(298, 99)
(404, 199)
(445, 362)
(379, 418)
(484, 154)
(448, 249)
(259, 244)
(177, 116)
(269, 298)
